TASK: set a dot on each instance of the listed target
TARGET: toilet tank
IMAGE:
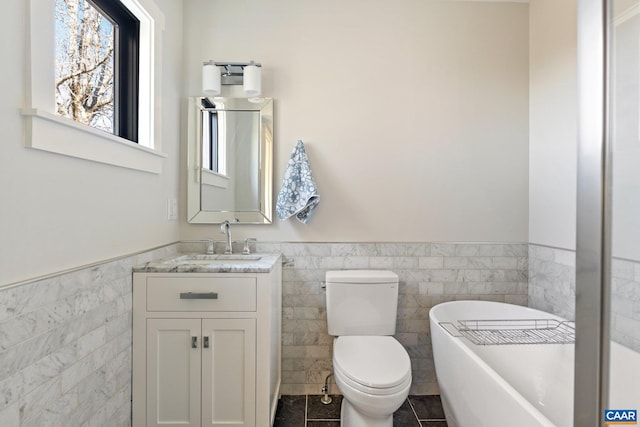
(361, 302)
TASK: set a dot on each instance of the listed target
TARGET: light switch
(172, 209)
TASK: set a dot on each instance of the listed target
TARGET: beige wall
(414, 112)
(552, 123)
(59, 212)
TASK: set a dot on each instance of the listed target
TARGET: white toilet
(371, 368)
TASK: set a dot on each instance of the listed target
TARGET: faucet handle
(209, 246)
(246, 250)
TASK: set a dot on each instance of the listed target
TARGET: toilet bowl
(374, 375)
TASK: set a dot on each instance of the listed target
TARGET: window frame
(126, 68)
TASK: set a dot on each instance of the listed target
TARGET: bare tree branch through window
(84, 64)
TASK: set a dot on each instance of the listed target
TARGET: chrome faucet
(225, 228)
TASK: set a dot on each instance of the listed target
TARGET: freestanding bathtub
(514, 385)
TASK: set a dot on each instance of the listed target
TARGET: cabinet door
(229, 372)
(173, 372)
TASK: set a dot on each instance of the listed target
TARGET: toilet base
(351, 417)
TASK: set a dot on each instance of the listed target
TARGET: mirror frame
(195, 214)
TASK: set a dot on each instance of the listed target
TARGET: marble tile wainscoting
(65, 346)
(552, 288)
(552, 280)
(429, 273)
(625, 325)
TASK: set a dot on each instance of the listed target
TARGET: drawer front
(201, 294)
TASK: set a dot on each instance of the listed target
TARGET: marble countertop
(200, 263)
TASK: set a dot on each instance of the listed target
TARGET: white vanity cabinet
(206, 348)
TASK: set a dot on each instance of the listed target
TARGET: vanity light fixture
(247, 74)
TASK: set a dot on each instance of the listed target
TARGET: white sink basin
(238, 257)
(216, 259)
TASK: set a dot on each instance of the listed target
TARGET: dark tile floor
(308, 411)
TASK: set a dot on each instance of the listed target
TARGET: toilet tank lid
(361, 276)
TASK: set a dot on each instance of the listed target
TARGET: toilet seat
(372, 364)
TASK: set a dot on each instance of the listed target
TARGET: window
(46, 129)
(96, 81)
(214, 137)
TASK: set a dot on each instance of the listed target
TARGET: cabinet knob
(194, 342)
(205, 343)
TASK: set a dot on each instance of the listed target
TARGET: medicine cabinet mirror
(230, 160)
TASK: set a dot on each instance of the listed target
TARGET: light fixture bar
(232, 64)
(234, 73)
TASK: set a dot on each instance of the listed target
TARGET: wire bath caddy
(513, 331)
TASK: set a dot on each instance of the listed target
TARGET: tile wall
(625, 325)
(430, 273)
(65, 347)
(552, 288)
(552, 280)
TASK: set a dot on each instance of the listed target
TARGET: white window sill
(214, 179)
(49, 132)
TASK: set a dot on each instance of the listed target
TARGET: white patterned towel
(298, 194)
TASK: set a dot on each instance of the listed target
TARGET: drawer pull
(194, 342)
(206, 342)
(198, 295)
